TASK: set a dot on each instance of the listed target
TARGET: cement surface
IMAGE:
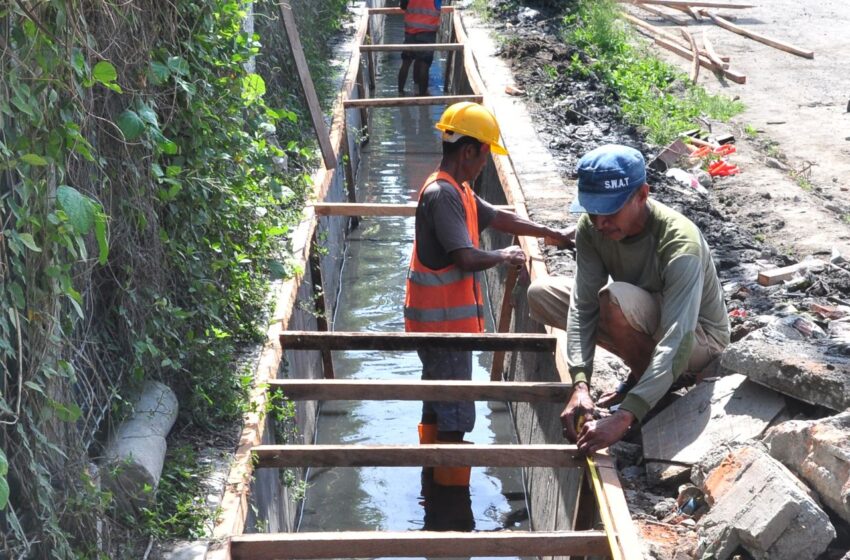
(713, 414)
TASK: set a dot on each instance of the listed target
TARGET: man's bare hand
(562, 238)
(599, 434)
(580, 404)
(513, 255)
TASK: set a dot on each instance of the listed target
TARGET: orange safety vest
(448, 299)
(421, 16)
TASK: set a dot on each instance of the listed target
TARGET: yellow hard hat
(471, 119)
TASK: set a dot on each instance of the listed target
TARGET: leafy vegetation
(148, 181)
(653, 94)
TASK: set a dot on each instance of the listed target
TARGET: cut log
(336, 340)
(706, 63)
(420, 390)
(776, 44)
(366, 544)
(437, 455)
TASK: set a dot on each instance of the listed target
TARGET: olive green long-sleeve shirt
(669, 257)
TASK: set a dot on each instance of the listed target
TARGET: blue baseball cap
(607, 176)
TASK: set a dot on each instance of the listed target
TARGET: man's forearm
(509, 222)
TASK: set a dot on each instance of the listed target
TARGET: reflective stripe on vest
(421, 16)
(446, 299)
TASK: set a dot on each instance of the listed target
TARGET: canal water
(404, 148)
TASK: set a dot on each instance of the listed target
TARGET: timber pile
(698, 11)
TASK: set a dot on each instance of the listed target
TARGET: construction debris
(714, 414)
(759, 506)
(819, 452)
(810, 370)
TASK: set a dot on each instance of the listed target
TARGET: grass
(653, 94)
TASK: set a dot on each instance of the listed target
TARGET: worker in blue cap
(645, 289)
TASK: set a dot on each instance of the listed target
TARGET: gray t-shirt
(441, 224)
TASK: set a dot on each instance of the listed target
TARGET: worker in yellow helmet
(443, 289)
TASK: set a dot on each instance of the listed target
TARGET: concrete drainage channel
(304, 359)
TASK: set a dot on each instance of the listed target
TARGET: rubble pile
(756, 462)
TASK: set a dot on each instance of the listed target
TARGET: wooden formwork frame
(619, 540)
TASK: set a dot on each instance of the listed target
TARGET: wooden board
(367, 544)
(419, 390)
(391, 47)
(669, 17)
(328, 154)
(775, 43)
(713, 414)
(373, 209)
(436, 455)
(624, 528)
(410, 101)
(705, 62)
(778, 275)
(315, 340)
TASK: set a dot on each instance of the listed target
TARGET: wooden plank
(685, 53)
(779, 275)
(393, 47)
(624, 528)
(712, 415)
(319, 302)
(402, 341)
(373, 209)
(712, 54)
(504, 321)
(328, 154)
(658, 12)
(419, 390)
(436, 455)
(400, 12)
(775, 43)
(652, 30)
(367, 544)
(690, 3)
(410, 101)
(695, 56)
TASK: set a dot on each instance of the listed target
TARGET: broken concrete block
(803, 369)
(819, 452)
(666, 474)
(758, 505)
(713, 414)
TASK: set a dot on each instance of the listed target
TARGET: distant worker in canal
(662, 311)
(443, 281)
(421, 24)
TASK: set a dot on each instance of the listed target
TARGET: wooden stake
(504, 321)
(337, 340)
(711, 53)
(782, 46)
(437, 455)
(319, 301)
(685, 53)
(307, 87)
(367, 544)
(420, 390)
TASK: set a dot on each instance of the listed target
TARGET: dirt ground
(790, 201)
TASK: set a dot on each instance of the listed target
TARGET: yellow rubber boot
(452, 476)
(427, 433)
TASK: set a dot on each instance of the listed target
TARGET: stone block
(803, 369)
(818, 451)
(758, 505)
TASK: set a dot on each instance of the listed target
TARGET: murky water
(404, 148)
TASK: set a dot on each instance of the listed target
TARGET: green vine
(148, 182)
